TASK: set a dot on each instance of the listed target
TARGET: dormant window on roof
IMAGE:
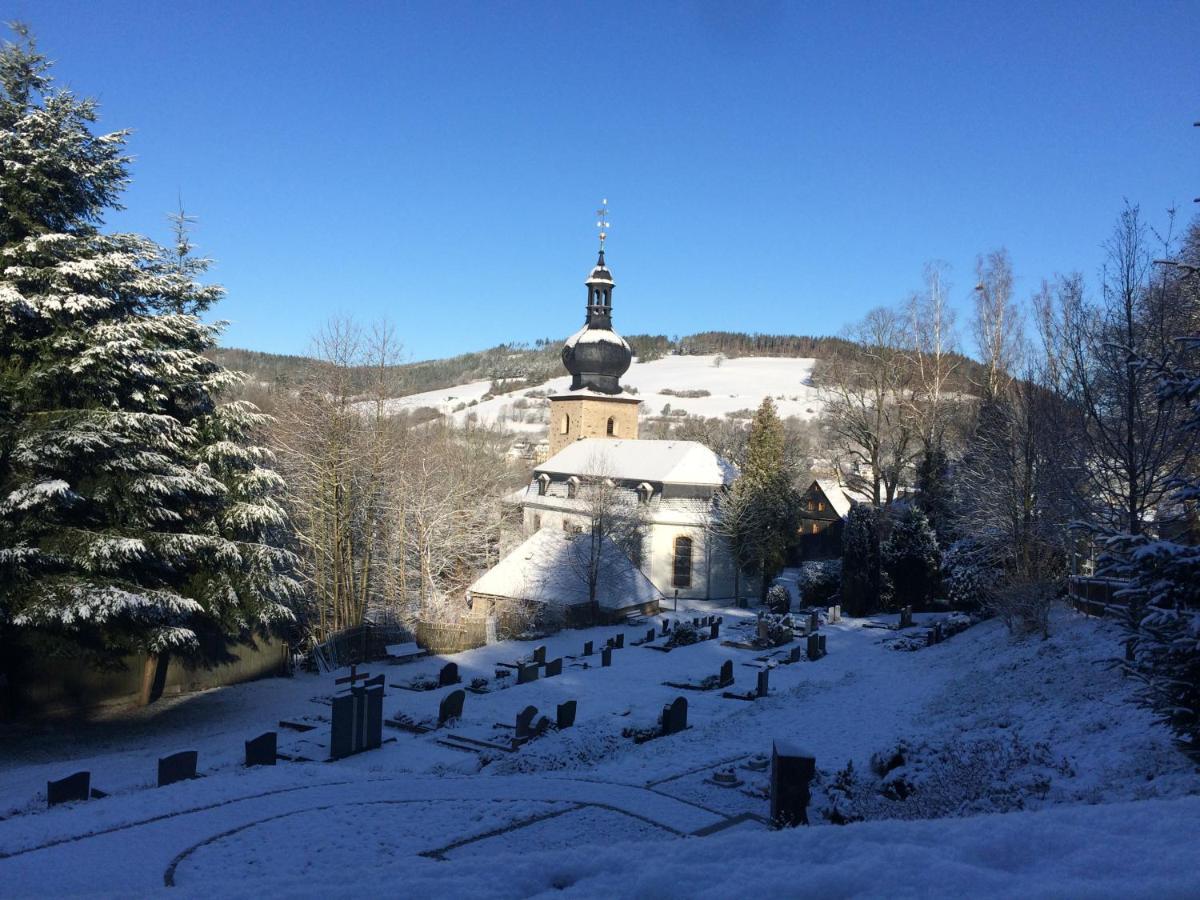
(572, 487)
(543, 482)
(645, 491)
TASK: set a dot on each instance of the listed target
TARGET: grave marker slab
(526, 674)
(814, 646)
(539, 655)
(792, 772)
(177, 767)
(525, 722)
(554, 667)
(714, 631)
(666, 626)
(726, 677)
(821, 645)
(451, 706)
(674, 716)
(650, 635)
(619, 643)
(763, 683)
(606, 657)
(357, 722)
(448, 675)
(263, 750)
(566, 714)
(814, 623)
(65, 790)
(587, 648)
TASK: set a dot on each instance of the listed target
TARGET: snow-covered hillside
(733, 385)
(1028, 771)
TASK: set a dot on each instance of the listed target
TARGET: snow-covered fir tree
(863, 583)
(911, 557)
(135, 511)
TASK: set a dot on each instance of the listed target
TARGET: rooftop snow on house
(664, 462)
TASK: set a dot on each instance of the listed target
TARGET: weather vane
(602, 221)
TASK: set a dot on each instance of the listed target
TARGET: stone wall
(574, 418)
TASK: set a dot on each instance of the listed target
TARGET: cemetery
(582, 745)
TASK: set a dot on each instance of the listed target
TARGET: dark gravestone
(795, 654)
(695, 621)
(791, 772)
(566, 714)
(357, 722)
(341, 728)
(763, 686)
(262, 750)
(65, 790)
(619, 643)
(666, 626)
(587, 648)
(764, 631)
(376, 682)
(674, 716)
(177, 767)
(726, 677)
(714, 631)
(371, 703)
(821, 645)
(539, 655)
(525, 721)
(906, 617)
(526, 674)
(606, 657)
(649, 635)
(451, 706)
(448, 675)
(814, 623)
(554, 667)
(814, 646)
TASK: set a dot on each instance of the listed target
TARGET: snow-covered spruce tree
(862, 575)
(766, 482)
(134, 511)
(911, 558)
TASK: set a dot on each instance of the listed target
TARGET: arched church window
(682, 570)
(611, 428)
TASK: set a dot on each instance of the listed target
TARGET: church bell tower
(596, 356)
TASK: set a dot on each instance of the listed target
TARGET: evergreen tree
(135, 512)
(862, 575)
(912, 559)
(934, 493)
(766, 487)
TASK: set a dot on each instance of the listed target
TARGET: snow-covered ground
(736, 384)
(1030, 772)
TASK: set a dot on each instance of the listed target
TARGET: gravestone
(451, 706)
(539, 655)
(814, 623)
(587, 648)
(525, 721)
(177, 767)
(262, 750)
(764, 631)
(763, 685)
(619, 643)
(666, 626)
(726, 677)
(448, 675)
(821, 645)
(792, 771)
(674, 716)
(695, 621)
(606, 657)
(566, 714)
(65, 790)
(377, 681)
(714, 631)
(814, 646)
(526, 674)
(794, 654)
(906, 619)
(649, 635)
(554, 667)
(357, 723)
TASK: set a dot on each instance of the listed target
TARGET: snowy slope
(1011, 745)
(736, 384)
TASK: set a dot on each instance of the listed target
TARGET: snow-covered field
(736, 384)
(1027, 771)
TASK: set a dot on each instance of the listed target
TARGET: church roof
(664, 462)
(546, 568)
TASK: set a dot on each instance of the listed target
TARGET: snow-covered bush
(912, 559)
(682, 635)
(779, 601)
(966, 574)
(819, 581)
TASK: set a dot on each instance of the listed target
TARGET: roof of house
(665, 462)
(835, 495)
(548, 568)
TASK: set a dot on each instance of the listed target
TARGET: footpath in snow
(1025, 768)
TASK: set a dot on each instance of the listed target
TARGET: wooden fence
(1094, 596)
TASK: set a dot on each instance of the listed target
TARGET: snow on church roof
(548, 567)
(590, 335)
(665, 462)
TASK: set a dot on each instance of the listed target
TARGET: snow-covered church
(615, 524)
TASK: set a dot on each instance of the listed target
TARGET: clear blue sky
(776, 167)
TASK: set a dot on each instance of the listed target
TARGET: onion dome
(596, 356)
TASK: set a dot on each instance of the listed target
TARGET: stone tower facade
(596, 356)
